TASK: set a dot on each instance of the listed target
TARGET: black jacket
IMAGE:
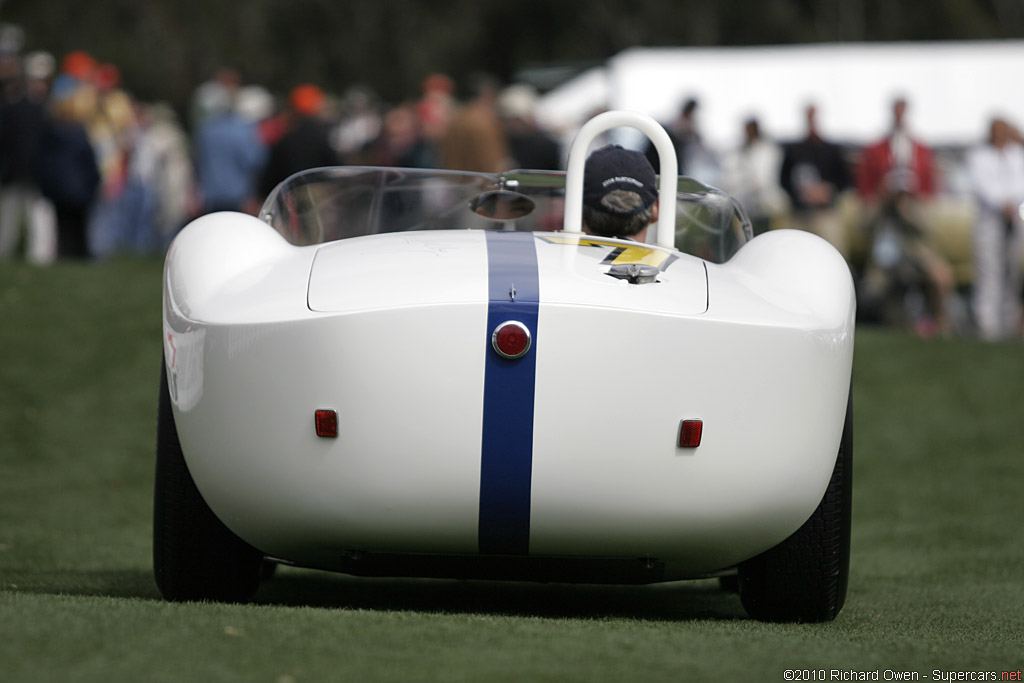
(304, 146)
(68, 173)
(22, 126)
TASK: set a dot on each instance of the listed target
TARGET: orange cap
(307, 99)
(79, 64)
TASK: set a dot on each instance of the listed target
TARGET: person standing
(162, 179)
(528, 145)
(695, 159)
(474, 139)
(23, 122)
(752, 176)
(996, 172)
(69, 174)
(896, 163)
(895, 178)
(229, 159)
(112, 129)
(814, 175)
(306, 142)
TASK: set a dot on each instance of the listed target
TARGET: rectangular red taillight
(690, 432)
(326, 423)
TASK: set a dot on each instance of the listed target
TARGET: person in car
(620, 195)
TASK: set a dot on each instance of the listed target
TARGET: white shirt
(752, 177)
(997, 175)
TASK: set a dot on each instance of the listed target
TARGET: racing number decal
(618, 253)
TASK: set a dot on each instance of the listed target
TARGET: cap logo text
(622, 179)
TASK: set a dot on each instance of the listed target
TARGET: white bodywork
(392, 332)
(259, 334)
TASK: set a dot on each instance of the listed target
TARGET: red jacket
(876, 165)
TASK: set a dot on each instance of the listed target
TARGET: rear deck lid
(399, 269)
(441, 267)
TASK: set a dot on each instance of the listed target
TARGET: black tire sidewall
(195, 556)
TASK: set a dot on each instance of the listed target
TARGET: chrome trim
(521, 326)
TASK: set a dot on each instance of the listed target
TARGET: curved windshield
(327, 204)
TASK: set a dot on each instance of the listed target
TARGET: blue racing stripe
(506, 458)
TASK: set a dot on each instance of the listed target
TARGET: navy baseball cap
(616, 168)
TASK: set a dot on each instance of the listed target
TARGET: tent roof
(953, 88)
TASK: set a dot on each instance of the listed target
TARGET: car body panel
(444, 448)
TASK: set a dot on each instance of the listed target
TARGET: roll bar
(573, 222)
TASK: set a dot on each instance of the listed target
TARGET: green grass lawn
(936, 578)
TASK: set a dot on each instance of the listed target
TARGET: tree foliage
(165, 47)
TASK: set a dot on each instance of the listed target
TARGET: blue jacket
(229, 159)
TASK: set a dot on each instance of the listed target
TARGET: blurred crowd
(934, 240)
(88, 171)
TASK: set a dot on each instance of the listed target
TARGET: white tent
(954, 88)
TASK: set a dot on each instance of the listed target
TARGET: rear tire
(730, 583)
(804, 578)
(195, 557)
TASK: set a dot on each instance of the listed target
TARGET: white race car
(396, 372)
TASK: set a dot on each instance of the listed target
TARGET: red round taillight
(511, 339)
